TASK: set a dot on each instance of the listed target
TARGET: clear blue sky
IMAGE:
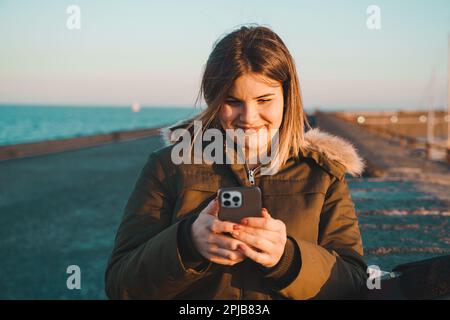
(154, 51)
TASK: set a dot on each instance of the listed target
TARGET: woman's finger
(219, 226)
(264, 222)
(261, 223)
(224, 242)
(235, 256)
(259, 257)
(272, 236)
(222, 261)
(265, 213)
(257, 242)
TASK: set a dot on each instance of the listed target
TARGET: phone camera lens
(227, 203)
(235, 199)
(226, 195)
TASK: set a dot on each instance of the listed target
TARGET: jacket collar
(333, 153)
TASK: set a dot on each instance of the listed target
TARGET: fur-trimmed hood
(336, 149)
(317, 141)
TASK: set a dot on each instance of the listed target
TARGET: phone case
(242, 202)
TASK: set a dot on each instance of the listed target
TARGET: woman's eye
(238, 103)
(233, 102)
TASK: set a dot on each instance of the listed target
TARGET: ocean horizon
(33, 123)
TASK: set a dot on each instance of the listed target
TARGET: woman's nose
(249, 114)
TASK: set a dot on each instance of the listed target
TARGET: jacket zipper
(251, 173)
(251, 179)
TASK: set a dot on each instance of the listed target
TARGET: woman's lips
(250, 130)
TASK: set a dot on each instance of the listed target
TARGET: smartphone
(236, 203)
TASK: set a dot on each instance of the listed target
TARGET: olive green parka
(309, 194)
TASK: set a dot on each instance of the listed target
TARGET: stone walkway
(404, 212)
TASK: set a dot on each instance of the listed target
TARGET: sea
(28, 123)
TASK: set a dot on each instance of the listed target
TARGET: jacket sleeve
(145, 262)
(334, 267)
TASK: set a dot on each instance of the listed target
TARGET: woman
(306, 243)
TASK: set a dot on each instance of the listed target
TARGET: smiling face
(255, 105)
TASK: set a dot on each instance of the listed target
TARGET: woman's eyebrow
(263, 96)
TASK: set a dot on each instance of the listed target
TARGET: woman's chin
(254, 148)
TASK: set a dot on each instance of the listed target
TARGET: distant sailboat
(136, 106)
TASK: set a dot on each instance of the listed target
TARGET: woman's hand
(264, 238)
(207, 236)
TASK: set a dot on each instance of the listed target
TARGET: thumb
(213, 208)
